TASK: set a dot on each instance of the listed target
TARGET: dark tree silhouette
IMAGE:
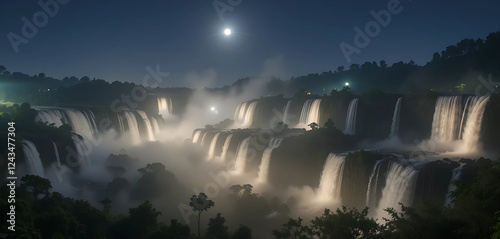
(243, 232)
(116, 171)
(199, 204)
(37, 186)
(313, 125)
(216, 228)
(106, 205)
(293, 229)
(329, 124)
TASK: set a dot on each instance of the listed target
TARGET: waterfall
(331, 178)
(350, 122)
(81, 121)
(164, 106)
(399, 187)
(236, 116)
(454, 176)
(56, 153)
(32, 158)
(241, 156)
(239, 114)
(212, 146)
(82, 149)
(310, 112)
(286, 112)
(371, 192)
(225, 147)
(156, 127)
(472, 129)
(197, 135)
(203, 142)
(266, 159)
(395, 119)
(249, 114)
(132, 126)
(447, 118)
(149, 128)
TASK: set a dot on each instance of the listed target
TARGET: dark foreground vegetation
(42, 213)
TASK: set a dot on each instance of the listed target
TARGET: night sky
(117, 40)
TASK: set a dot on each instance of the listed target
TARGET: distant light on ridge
(347, 84)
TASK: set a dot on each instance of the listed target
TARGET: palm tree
(199, 204)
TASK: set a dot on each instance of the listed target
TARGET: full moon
(227, 32)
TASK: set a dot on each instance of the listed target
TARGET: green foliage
(37, 186)
(476, 202)
(242, 191)
(423, 221)
(243, 232)
(345, 223)
(496, 228)
(154, 182)
(294, 229)
(216, 228)
(176, 230)
(460, 88)
(142, 222)
(106, 204)
(200, 203)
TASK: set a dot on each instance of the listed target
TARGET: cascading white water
(81, 121)
(399, 188)
(447, 118)
(286, 112)
(149, 128)
(331, 178)
(83, 149)
(472, 130)
(132, 126)
(196, 136)
(465, 115)
(239, 114)
(395, 119)
(241, 156)
(211, 150)
(32, 157)
(56, 153)
(310, 112)
(164, 106)
(266, 159)
(202, 142)
(455, 174)
(154, 123)
(350, 122)
(236, 116)
(249, 114)
(225, 147)
(371, 192)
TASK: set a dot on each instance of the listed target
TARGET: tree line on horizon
(455, 69)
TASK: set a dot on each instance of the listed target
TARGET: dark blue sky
(116, 40)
